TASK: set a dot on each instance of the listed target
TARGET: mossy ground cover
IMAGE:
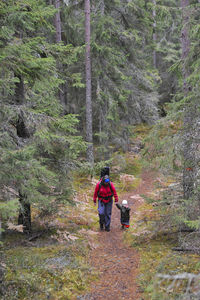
(55, 265)
(53, 272)
(157, 256)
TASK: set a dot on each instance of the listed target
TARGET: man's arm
(96, 192)
(114, 192)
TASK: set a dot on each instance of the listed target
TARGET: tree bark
(58, 22)
(195, 249)
(19, 90)
(102, 7)
(89, 130)
(102, 10)
(154, 34)
(188, 121)
(185, 43)
(24, 217)
(0, 229)
(58, 26)
(100, 109)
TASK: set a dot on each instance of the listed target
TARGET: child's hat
(124, 202)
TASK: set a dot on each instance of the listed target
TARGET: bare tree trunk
(188, 121)
(58, 26)
(58, 22)
(102, 7)
(185, 43)
(154, 34)
(89, 131)
(19, 90)
(100, 109)
(0, 229)
(24, 217)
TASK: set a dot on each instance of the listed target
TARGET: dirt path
(116, 262)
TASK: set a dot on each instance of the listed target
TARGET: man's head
(106, 180)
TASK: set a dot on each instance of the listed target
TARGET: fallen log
(184, 249)
(35, 236)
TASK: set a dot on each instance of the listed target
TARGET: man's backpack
(105, 171)
(100, 184)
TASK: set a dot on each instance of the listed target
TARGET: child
(125, 214)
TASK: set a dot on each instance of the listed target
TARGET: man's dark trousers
(105, 211)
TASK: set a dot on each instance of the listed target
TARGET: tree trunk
(24, 217)
(89, 132)
(58, 26)
(185, 43)
(19, 90)
(188, 121)
(154, 34)
(102, 7)
(0, 229)
(58, 22)
(100, 109)
(102, 10)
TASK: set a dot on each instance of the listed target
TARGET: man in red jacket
(105, 191)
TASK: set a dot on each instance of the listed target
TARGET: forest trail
(116, 262)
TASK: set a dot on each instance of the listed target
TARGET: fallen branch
(192, 280)
(179, 276)
(196, 250)
(35, 236)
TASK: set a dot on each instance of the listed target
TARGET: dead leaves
(18, 228)
(63, 236)
(137, 198)
(90, 236)
(126, 179)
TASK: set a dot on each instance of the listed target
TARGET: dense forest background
(144, 58)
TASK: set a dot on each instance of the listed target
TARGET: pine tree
(191, 128)
(58, 22)
(123, 89)
(188, 151)
(89, 131)
(39, 145)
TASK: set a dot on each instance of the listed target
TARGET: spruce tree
(39, 145)
(89, 131)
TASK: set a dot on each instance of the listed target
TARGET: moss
(59, 271)
(141, 131)
(128, 186)
(156, 253)
(133, 165)
(81, 183)
(53, 272)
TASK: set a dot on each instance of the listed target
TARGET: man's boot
(101, 226)
(101, 221)
(107, 228)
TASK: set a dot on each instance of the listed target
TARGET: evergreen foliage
(42, 135)
(123, 92)
(39, 145)
(39, 140)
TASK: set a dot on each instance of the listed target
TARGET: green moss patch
(54, 272)
(157, 258)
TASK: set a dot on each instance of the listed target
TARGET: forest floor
(73, 259)
(116, 261)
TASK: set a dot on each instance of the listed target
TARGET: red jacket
(105, 191)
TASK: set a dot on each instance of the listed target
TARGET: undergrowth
(51, 272)
(152, 234)
(157, 258)
(55, 265)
